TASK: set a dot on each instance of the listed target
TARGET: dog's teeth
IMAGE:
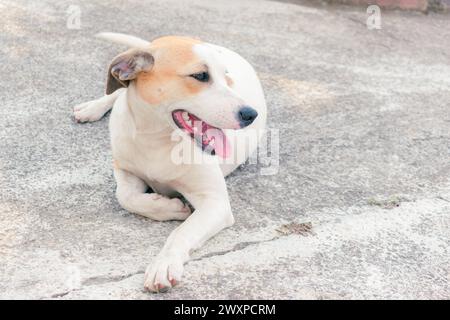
(185, 116)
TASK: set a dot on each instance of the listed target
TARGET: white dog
(169, 84)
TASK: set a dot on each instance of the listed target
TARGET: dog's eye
(202, 76)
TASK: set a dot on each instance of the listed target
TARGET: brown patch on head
(174, 59)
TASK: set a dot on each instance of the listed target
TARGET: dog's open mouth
(211, 139)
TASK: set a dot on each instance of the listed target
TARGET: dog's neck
(147, 120)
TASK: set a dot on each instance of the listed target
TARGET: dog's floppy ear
(125, 67)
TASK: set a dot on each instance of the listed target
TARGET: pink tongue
(221, 143)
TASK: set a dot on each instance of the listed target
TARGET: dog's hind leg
(94, 110)
(132, 197)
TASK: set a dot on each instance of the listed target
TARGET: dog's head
(184, 82)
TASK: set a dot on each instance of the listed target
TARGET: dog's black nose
(246, 115)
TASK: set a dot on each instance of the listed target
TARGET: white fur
(141, 145)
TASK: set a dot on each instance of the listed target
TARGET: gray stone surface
(364, 129)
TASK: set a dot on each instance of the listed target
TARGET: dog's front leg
(208, 194)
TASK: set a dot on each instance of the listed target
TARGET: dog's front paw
(164, 273)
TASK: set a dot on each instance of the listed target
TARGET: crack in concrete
(238, 247)
(59, 295)
(107, 279)
(442, 198)
(92, 281)
(97, 280)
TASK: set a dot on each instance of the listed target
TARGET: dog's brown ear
(125, 67)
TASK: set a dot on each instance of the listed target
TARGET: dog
(207, 94)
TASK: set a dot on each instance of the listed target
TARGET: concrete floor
(364, 124)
